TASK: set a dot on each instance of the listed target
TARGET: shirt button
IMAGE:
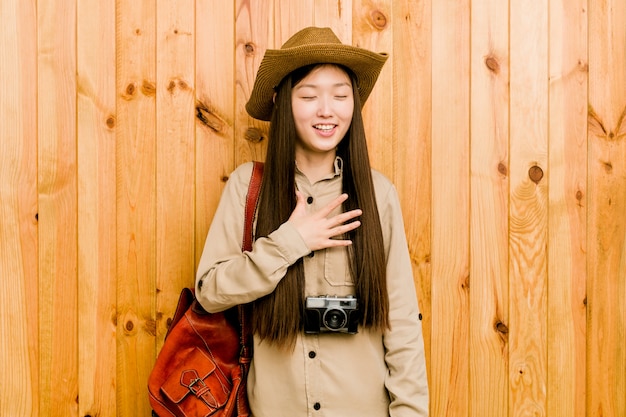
(309, 200)
(311, 354)
(317, 406)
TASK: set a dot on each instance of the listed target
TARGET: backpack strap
(244, 310)
(251, 203)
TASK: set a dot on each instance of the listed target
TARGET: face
(322, 105)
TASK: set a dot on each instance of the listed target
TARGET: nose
(324, 109)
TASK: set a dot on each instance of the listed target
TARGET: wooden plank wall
(502, 124)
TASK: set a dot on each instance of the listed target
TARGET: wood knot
(171, 86)
(148, 88)
(492, 64)
(465, 284)
(209, 118)
(502, 169)
(501, 327)
(535, 173)
(249, 48)
(253, 135)
(379, 20)
(150, 327)
(110, 122)
(129, 92)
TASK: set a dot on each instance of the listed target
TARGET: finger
(344, 217)
(333, 243)
(299, 196)
(299, 211)
(345, 228)
(325, 211)
(300, 203)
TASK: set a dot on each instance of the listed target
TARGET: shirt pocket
(336, 270)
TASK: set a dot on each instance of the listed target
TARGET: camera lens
(334, 319)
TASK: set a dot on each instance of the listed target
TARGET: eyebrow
(341, 84)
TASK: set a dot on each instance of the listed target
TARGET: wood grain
(289, 17)
(215, 111)
(19, 321)
(567, 266)
(57, 201)
(136, 202)
(489, 214)
(253, 32)
(412, 132)
(96, 208)
(606, 222)
(372, 30)
(336, 15)
(450, 208)
(528, 223)
(175, 157)
(503, 126)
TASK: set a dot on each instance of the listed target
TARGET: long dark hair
(278, 317)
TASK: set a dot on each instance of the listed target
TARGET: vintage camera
(326, 313)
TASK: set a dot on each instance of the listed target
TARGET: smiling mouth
(324, 127)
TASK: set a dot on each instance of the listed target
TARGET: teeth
(324, 127)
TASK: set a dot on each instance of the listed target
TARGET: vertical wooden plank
(215, 109)
(136, 202)
(96, 207)
(175, 156)
(489, 301)
(290, 17)
(528, 207)
(57, 185)
(450, 207)
(253, 27)
(606, 222)
(412, 129)
(19, 347)
(566, 324)
(336, 15)
(372, 29)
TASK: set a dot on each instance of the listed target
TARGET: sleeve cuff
(289, 243)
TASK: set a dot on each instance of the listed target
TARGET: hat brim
(278, 63)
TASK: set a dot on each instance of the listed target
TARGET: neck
(316, 167)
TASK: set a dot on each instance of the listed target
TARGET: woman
(334, 314)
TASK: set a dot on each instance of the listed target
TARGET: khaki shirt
(327, 375)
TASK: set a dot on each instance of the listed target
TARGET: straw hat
(311, 45)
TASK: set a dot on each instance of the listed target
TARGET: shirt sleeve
(226, 276)
(406, 380)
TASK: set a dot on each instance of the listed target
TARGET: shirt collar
(337, 165)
